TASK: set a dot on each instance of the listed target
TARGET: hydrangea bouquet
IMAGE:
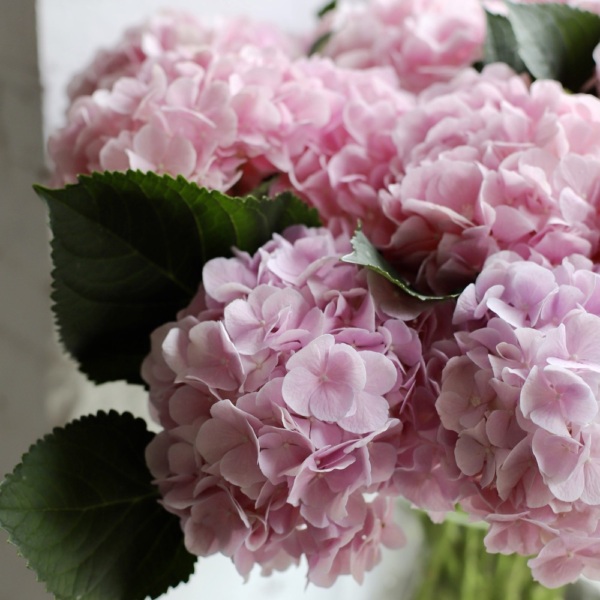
(352, 266)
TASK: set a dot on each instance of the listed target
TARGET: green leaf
(128, 252)
(366, 255)
(455, 565)
(324, 38)
(501, 43)
(320, 43)
(327, 8)
(83, 511)
(556, 41)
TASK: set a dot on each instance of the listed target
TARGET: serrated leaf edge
(47, 437)
(389, 272)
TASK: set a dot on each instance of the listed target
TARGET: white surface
(216, 579)
(392, 579)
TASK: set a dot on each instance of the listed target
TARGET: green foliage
(550, 41)
(456, 566)
(556, 41)
(366, 255)
(320, 43)
(327, 8)
(501, 44)
(128, 252)
(83, 511)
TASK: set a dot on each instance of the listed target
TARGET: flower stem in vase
(457, 567)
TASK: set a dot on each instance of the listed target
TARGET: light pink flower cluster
(488, 163)
(201, 117)
(177, 34)
(426, 473)
(425, 41)
(342, 170)
(279, 390)
(231, 118)
(522, 397)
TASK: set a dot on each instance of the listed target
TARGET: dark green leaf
(262, 190)
(327, 8)
(322, 40)
(83, 511)
(556, 41)
(128, 251)
(501, 44)
(320, 43)
(366, 255)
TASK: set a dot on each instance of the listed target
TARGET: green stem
(459, 568)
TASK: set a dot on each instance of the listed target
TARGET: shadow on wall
(25, 322)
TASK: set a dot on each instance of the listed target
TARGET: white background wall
(37, 388)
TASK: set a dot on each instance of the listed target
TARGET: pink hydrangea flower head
(490, 163)
(229, 117)
(228, 111)
(281, 390)
(425, 41)
(213, 112)
(346, 164)
(521, 399)
(175, 32)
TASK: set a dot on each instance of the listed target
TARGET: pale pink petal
(371, 414)
(213, 358)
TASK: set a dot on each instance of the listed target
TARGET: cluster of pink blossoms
(440, 181)
(522, 397)
(488, 163)
(176, 34)
(228, 118)
(278, 389)
(298, 395)
(185, 98)
(424, 41)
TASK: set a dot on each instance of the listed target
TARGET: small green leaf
(501, 43)
(327, 8)
(128, 252)
(366, 255)
(83, 511)
(322, 40)
(320, 43)
(556, 41)
(262, 190)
